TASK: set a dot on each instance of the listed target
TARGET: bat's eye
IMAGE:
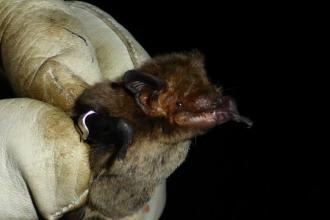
(179, 105)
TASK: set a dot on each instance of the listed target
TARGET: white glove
(49, 55)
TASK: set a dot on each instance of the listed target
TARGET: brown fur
(159, 145)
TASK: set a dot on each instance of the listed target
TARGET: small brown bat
(139, 129)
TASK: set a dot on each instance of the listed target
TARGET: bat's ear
(144, 87)
(135, 81)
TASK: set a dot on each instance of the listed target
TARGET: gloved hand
(51, 51)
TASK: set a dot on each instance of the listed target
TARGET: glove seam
(69, 207)
(114, 27)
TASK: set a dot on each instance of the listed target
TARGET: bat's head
(175, 87)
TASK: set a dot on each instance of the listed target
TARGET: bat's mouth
(224, 111)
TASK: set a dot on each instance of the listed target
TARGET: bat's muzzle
(227, 111)
(221, 111)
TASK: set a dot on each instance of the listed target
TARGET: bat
(140, 127)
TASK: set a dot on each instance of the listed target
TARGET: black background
(254, 51)
(258, 53)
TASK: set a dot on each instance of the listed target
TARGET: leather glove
(51, 51)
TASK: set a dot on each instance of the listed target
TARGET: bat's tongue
(227, 111)
(224, 112)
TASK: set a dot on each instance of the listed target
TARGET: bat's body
(142, 126)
